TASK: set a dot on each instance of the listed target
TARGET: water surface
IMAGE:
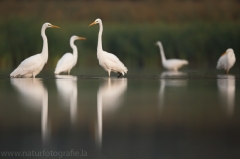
(171, 115)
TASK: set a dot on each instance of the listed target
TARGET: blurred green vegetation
(199, 31)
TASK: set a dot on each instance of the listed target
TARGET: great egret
(170, 64)
(108, 61)
(227, 60)
(68, 60)
(31, 66)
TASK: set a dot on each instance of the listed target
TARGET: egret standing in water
(68, 60)
(170, 64)
(108, 61)
(31, 66)
(227, 60)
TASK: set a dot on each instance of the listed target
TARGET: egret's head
(229, 50)
(49, 25)
(230, 53)
(158, 43)
(96, 22)
(74, 37)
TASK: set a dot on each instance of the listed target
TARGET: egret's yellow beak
(92, 23)
(54, 26)
(81, 38)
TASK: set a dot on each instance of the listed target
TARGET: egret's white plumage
(170, 64)
(68, 60)
(227, 60)
(31, 66)
(108, 61)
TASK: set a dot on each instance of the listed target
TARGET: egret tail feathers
(16, 73)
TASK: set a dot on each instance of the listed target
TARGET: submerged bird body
(68, 60)
(109, 62)
(227, 60)
(170, 64)
(31, 66)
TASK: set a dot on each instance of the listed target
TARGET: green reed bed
(134, 43)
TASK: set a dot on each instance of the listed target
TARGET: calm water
(169, 116)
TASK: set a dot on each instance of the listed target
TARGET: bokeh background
(196, 30)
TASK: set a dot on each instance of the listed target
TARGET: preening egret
(108, 61)
(68, 60)
(31, 66)
(227, 60)
(170, 64)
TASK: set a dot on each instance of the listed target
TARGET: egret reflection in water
(67, 88)
(170, 79)
(34, 95)
(226, 88)
(109, 99)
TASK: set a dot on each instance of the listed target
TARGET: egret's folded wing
(28, 65)
(222, 62)
(65, 63)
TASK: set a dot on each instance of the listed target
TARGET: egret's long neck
(75, 51)
(162, 53)
(99, 47)
(45, 45)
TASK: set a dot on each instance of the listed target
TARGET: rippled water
(170, 115)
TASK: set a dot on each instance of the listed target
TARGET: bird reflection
(226, 88)
(109, 98)
(34, 95)
(170, 79)
(67, 88)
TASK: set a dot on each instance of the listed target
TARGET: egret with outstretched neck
(68, 60)
(31, 66)
(108, 61)
(170, 64)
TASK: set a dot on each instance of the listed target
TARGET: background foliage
(199, 31)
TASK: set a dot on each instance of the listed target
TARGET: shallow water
(171, 116)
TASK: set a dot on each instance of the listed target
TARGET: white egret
(31, 66)
(68, 60)
(170, 64)
(108, 61)
(227, 60)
